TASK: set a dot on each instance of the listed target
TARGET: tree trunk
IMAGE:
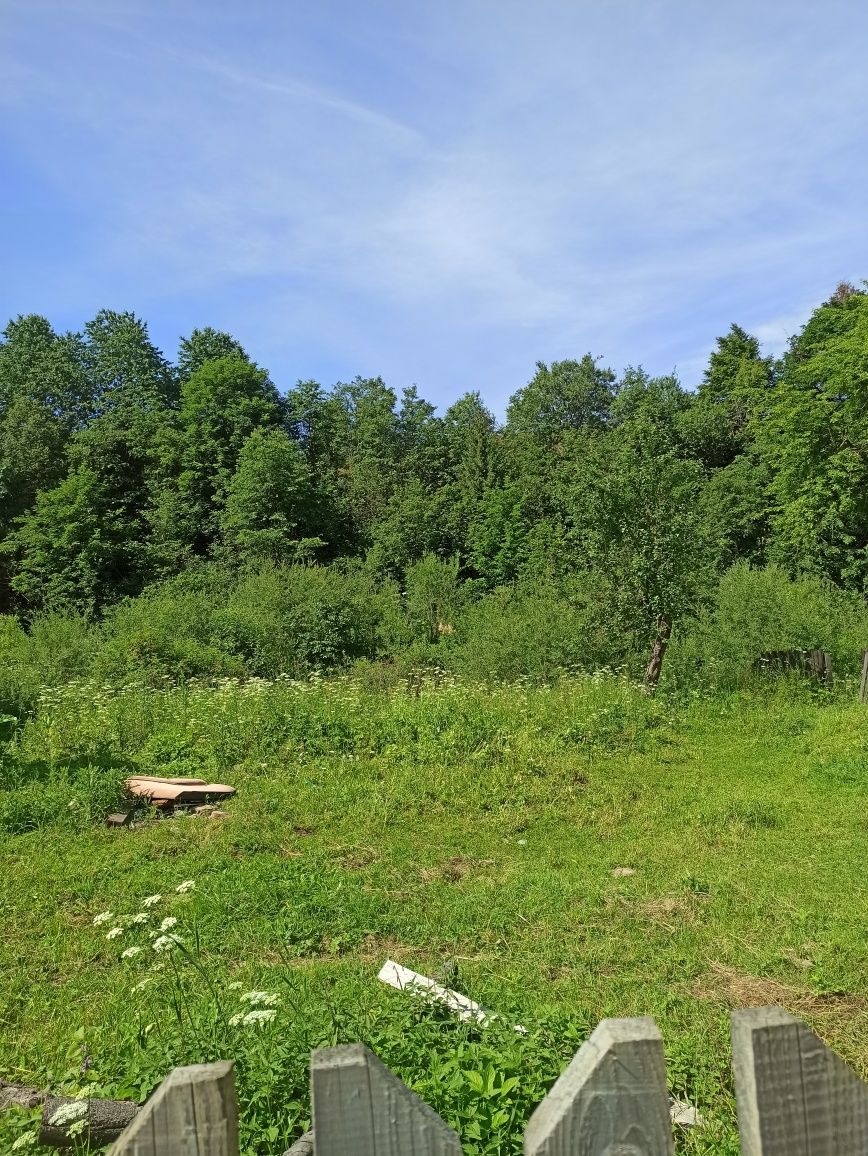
(104, 1121)
(302, 1147)
(655, 662)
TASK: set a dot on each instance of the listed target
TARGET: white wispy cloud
(463, 187)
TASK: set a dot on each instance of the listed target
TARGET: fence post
(795, 1096)
(194, 1112)
(863, 686)
(612, 1098)
(361, 1109)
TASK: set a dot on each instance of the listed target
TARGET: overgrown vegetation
(269, 532)
(442, 824)
(413, 643)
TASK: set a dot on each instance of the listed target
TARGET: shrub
(755, 611)
(169, 631)
(56, 649)
(295, 619)
(536, 632)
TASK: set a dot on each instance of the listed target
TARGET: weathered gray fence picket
(795, 1098)
(816, 664)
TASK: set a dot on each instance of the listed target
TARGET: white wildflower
(129, 952)
(150, 900)
(168, 923)
(166, 943)
(236, 985)
(143, 983)
(260, 998)
(103, 917)
(67, 1113)
(235, 1020)
(115, 932)
(76, 1129)
(142, 917)
(260, 1016)
(25, 1141)
(186, 886)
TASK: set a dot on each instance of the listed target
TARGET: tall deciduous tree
(74, 550)
(222, 403)
(567, 395)
(271, 508)
(206, 345)
(813, 436)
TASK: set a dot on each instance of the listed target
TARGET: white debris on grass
(403, 979)
(684, 1114)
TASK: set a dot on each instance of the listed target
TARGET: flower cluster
(162, 937)
(261, 1008)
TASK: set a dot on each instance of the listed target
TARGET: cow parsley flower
(103, 917)
(168, 923)
(260, 1016)
(236, 985)
(260, 998)
(129, 952)
(186, 886)
(25, 1141)
(235, 1020)
(115, 932)
(150, 900)
(68, 1113)
(142, 917)
(166, 943)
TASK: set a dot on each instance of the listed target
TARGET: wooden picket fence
(795, 1098)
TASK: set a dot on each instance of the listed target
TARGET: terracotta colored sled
(177, 792)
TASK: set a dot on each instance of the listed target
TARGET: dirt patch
(667, 907)
(376, 949)
(454, 869)
(839, 1018)
(739, 989)
(357, 858)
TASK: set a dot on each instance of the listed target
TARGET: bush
(296, 619)
(56, 649)
(755, 611)
(169, 631)
(536, 632)
(277, 620)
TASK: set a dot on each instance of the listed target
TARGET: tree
(45, 368)
(471, 469)
(371, 437)
(43, 399)
(734, 388)
(222, 403)
(125, 369)
(813, 438)
(630, 505)
(569, 395)
(270, 512)
(432, 595)
(76, 552)
(206, 345)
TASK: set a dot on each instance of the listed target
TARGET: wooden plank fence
(816, 664)
(795, 1098)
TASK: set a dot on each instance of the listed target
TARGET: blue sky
(438, 191)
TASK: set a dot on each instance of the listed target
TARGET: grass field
(434, 825)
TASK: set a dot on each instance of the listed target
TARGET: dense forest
(203, 514)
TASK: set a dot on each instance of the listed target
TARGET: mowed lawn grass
(434, 825)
